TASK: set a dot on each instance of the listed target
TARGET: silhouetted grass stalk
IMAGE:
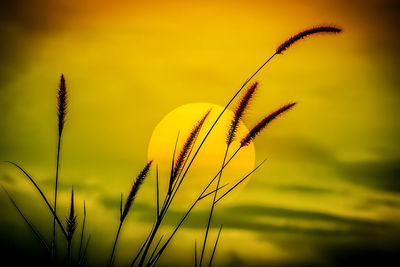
(43, 197)
(175, 173)
(285, 45)
(243, 143)
(238, 115)
(141, 248)
(264, 123)
(208, 133)
(306, 33)
(215, 246)
(61, 112)
(71, 227)
(179, 179)
(178, 171)
(30, 225)
(200, 197)
(216, 121)
(195, 253)
(84, 254)
(129, 201)
(83, 230)
(212, 206)
(199, 148)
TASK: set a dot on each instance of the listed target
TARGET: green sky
(329, 192)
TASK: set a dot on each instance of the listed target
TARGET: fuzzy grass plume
(186, 148)
(71, 226)
(61, 112)
(238, 115)
(244, 142)
(178, 166)
(263, 123)
(173, 187)
(239, 112)
(62, 104)
(135, 188)
(128, 204)
(71, 220)
(314, 30)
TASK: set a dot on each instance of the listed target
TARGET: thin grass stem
(43, 197)
(141, 248)
(83, 230)
(212, 206)
(244, 178)
(30, 225)
(53, 243)
(84, 255)
(209, 193)
(155, 248)
(203, 141)
(115, 244)
(195, 203)
(195, 253)
(215, 246)
(158, 194)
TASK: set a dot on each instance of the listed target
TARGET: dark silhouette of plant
(129, 201)
(71, 226)
(61, 113)
(180, 167)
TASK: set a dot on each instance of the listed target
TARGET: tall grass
(215, 246)
(35, 232)
(180, 166)
(71, 221)
(129, 201)
(175, 182)
(238, 115)
(61, 113)
(82, 232)
(306, 33)
(284, 46)
(71, 227)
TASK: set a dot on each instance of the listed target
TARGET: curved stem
(43, 197)
(53, 243)
(83, 230)
(151, 261)
(69, 253)
(198, 149)
(212, 207)
(115, 244)
(215, 247)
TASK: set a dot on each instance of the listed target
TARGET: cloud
(376, 248)
(383, 174)
(351, 240)
(33, 15)
(305, 189)
(259, 219)
(23, 26)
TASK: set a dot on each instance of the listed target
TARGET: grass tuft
(303, 34)
(263, 123)
(71, 226)
(239, 112)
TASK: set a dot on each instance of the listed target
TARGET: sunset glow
(139, 72)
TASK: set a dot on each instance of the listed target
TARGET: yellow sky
(331, 183)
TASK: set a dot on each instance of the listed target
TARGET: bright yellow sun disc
(209, 160)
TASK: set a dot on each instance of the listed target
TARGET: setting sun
(182, 120)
